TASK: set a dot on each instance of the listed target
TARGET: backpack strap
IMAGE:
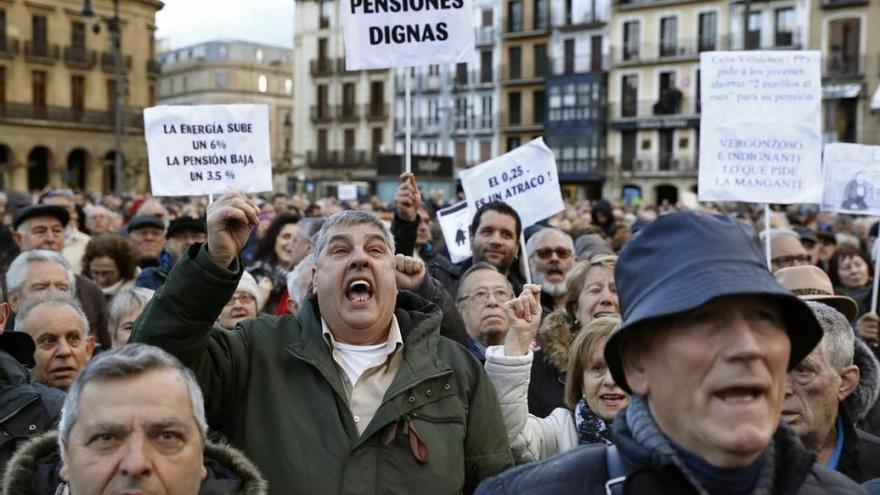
(616, 471)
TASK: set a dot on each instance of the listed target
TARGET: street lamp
(118, 90)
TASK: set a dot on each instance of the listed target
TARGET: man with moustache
(551, 256)
(706, 341)
(356, 393)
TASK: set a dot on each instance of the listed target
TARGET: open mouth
(66, 370)
(600, 314)
(739, 395)
(359, 290)
(612, 399)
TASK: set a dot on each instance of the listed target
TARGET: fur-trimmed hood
(34, 470)
(555, 336)
(860, 402)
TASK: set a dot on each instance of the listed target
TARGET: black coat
(860, 459)
(26, 408)
(583, 471)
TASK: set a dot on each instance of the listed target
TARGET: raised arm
(181, 316)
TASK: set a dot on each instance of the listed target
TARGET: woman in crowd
(272, 258)
(244, 304)
(591, 396)
(591, 294)
(126, 307)
(850, 272)
(111, 262)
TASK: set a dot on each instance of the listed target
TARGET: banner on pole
(381, 34)
(208, 149)
(455, 222)
(760, 127)
(852, 178)
(525, 178)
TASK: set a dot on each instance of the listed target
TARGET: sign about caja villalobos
(208, 149)
(525, 178)
(852, 179)
(760, 127)
(380, 34)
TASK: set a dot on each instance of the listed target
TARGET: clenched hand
(230, 220)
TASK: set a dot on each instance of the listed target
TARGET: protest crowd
(277, 344)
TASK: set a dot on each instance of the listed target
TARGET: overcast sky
(185, 22)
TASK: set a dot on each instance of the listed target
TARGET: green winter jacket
(272, 388)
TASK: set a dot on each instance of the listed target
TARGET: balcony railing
(687, 48)
(323, 67)
(521, 121)
(44, 53)
(376, 111)
(473, 123)
(8, 47)
(484, 35)
(348, 113)
(578, 20)
(353, 158)
(843, 66)
(830, 4)
(79, 58)
(420, 125)
(154, 68)
(538, 72)
(321, 113)
(465, 79)
(540, 25)
(108, 62)
(660, 166)
(134, 117)
(766, 40)
(322, 158)
(580, 65)
(653, 108)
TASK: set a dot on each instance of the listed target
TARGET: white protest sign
(379, 34)
(852, 179)
(347, 192)
(760, 127)
(208, 149)
(525, 178)
(455, 221)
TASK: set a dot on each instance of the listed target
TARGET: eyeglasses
(242, 298)
(481, 296)
(795, 260)
(547, 253)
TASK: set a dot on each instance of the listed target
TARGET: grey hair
(17, 273)
(295, 289)
(538, 236)
(128, 361)
(778, 233)
(124, 303)
(480, 265)
(347, 218)
(838, 340)
(53, 297)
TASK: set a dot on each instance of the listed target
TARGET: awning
(841, 91)
(875, 101)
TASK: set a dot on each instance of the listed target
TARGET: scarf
(590, 427)
(647, 434)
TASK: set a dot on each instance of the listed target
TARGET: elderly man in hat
(708, 336)
(182, 233)
(147, 234)
(835, 385)
(42, 227)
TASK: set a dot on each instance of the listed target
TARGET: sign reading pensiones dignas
(760, 127)
(381, 34)
(208, 149)
(852, 179)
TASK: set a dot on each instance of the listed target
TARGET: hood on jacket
(555, 336)
(863, 398)
(602, 206)
(34, 470)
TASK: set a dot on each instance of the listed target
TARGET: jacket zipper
(431, 419)
(339, 394)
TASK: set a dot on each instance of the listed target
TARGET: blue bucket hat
(684, 260)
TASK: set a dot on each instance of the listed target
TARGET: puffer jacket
(652, 467)
(272, 388)
(34, 470)
(27, 408)
(531, 438)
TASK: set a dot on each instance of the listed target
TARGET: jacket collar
(555, 336)
(34, 470)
